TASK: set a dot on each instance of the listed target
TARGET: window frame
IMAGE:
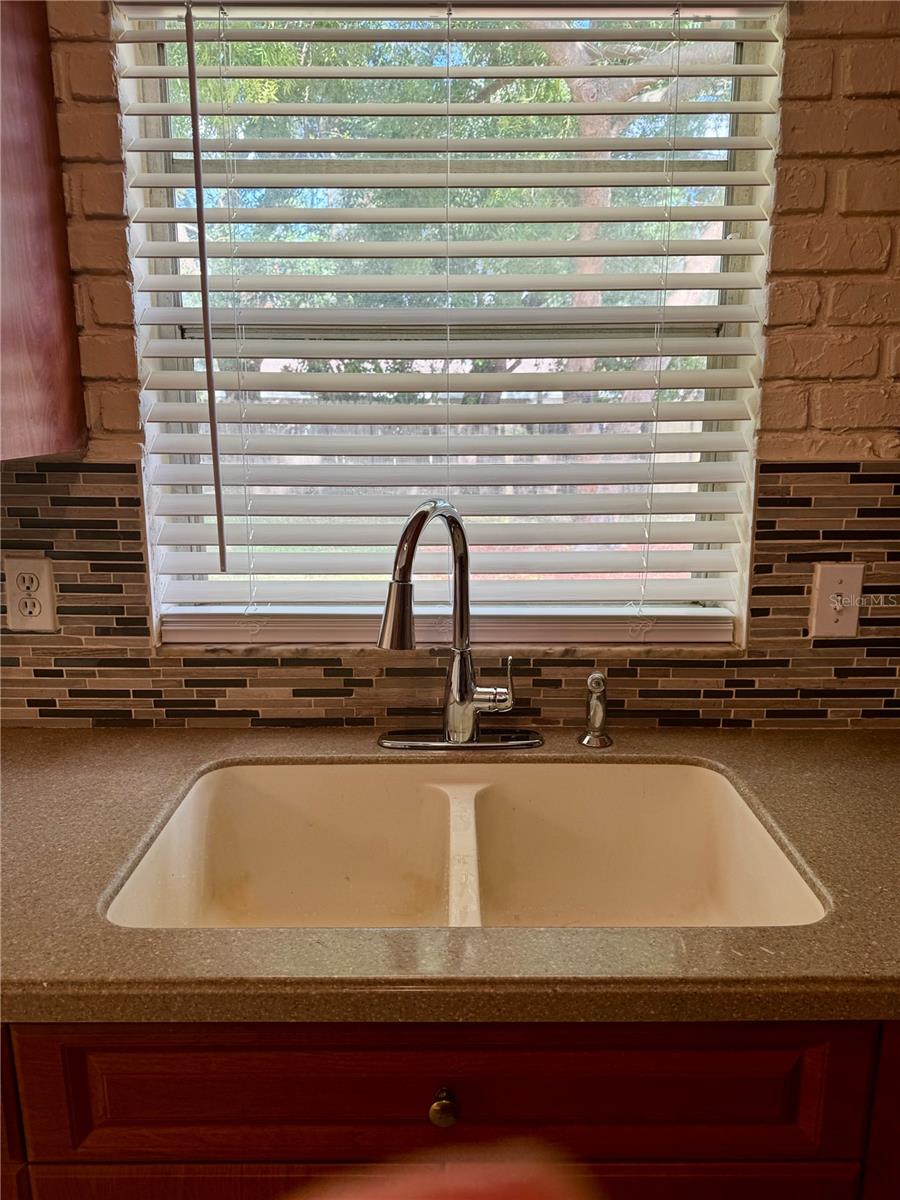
(690, 623)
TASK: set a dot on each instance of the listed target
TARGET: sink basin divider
(464, 898)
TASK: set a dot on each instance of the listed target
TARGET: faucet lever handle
(496, 699)
(509, 681)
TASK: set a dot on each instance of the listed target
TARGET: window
(507, 254)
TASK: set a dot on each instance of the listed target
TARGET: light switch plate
(836, 599)
(30, 595)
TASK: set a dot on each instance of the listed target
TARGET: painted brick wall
(830, 393)
(832, 369)
(90, 137)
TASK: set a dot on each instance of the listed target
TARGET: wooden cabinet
(357, 1093)
(40, 378)
(13, 1172)
(883, 1155)
(258, 1112)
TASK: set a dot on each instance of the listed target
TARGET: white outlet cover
(835, 602)
(30, 595)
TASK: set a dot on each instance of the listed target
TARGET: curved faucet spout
(464, 700)
(398, 623)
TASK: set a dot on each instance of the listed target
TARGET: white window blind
(506, 254)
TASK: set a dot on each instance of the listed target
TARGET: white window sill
(534, 625)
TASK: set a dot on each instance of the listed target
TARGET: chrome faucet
(464, 700)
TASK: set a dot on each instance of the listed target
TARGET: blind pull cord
(204, 282)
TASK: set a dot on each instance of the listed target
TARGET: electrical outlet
(30, 595)
(27, 582)
(836, 599)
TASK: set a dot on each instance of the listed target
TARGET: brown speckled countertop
(79, 808)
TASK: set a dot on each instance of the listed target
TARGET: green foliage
(352, 56)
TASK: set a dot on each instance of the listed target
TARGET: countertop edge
(459, 1001)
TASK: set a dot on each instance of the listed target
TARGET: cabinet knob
(444, 1110)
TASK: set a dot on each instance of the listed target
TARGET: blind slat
(505, 347)
(448, 180)
(161, 215)
(594, 533)
(663, 281)
(387, 445)
(715, 70)
(260, 413)
(393, 10)
(406, 145)
(429, 248)
(153, 108)
(391, 35)
(518, 591)
(439, 383)
(431, 561)
(655, 316)
(371, 504)
(441, 476)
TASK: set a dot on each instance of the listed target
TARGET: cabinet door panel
(627, 1181)
(883, 1157)
(13, 1174)
(358, 1093)
(14, 1182)
(12, 1150)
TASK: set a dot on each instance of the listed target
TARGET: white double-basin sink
(428, 845)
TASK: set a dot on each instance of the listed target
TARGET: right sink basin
(630, 844)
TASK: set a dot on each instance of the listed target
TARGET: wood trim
(882, 1167)
(15, 1183)
(13, 1172)
(12, 1143)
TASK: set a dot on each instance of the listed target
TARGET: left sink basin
(295, 846)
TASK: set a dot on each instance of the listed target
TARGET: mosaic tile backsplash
(102, 668)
